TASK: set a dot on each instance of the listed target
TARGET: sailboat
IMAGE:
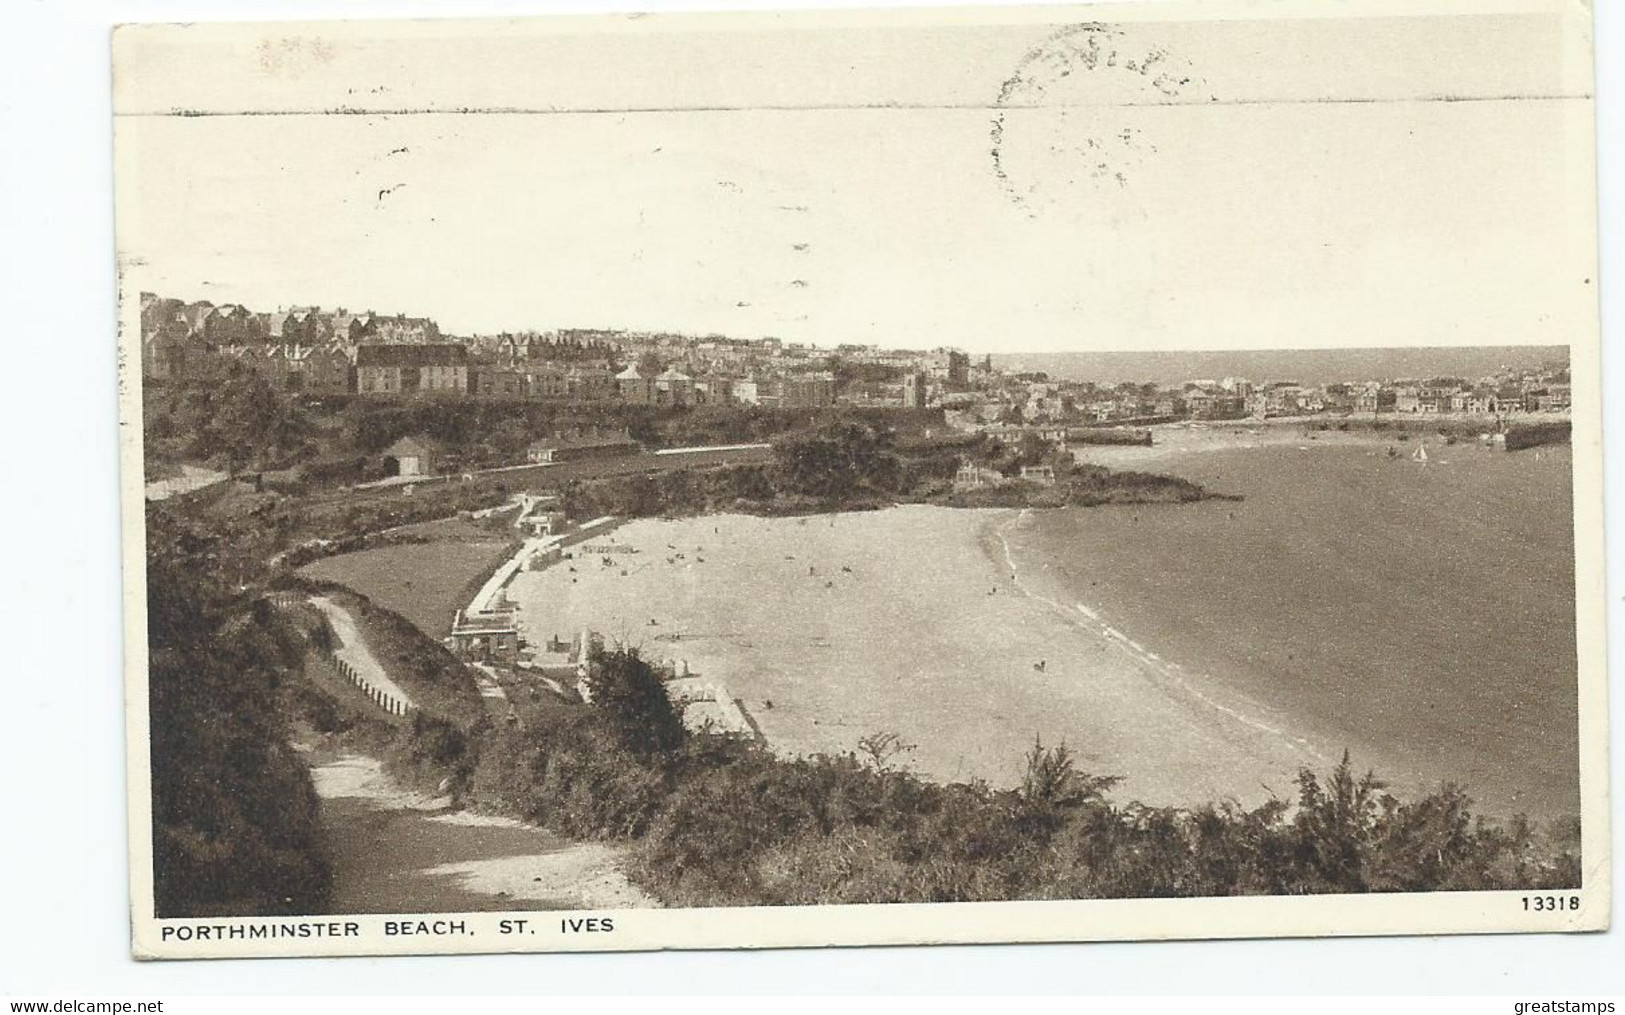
(1420, 455)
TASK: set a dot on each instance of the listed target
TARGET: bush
(630, 697)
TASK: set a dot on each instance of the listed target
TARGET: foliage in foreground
(235, 818)
(725, 822)
(719, 821)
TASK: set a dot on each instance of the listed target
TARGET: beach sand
(1177, 441)
(912, 620)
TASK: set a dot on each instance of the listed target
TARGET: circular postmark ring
(1063, 122)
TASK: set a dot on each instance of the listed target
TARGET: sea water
(1419, 615)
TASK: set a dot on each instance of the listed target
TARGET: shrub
(630, 697)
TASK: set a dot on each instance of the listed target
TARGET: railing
(284, 599)
(378, 696)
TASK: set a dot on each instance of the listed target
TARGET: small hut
(410, 456)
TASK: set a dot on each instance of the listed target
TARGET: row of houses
(229, 324)
(1483, 401)
(447, 369)
(309, 349)
(1038, 399)
(721, 355)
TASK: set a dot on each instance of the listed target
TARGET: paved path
(354, 649)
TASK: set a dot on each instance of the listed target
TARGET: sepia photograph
(865, 477)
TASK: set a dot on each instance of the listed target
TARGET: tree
(232, 415)
(1337, 824)
(838, 460)
(1052, 789)
(627, 690)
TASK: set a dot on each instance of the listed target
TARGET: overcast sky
(842, 182)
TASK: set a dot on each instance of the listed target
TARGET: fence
(383, 699)
(286, 598)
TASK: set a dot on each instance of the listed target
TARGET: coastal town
(310, 351)
(815, 476)
(628, 550)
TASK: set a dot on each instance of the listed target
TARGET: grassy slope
(423, 582)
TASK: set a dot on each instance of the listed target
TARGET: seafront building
(486, 637)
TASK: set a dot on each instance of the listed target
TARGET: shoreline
(1162, 670)
(1100, 680)
(803, 672)
(1424, 682)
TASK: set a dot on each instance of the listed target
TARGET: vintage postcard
(833, 478)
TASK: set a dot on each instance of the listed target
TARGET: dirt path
(354, 650)
(396, 851)
(192, 477)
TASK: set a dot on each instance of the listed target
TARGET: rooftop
(483, 623)
(410, 446)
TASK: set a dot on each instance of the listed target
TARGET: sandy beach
(911, 620)
(1176, 441)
